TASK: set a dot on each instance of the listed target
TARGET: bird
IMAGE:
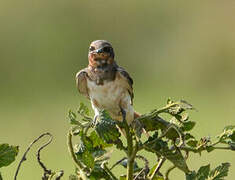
(107, 85)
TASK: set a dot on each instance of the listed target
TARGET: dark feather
(125, 74)
(81, 81)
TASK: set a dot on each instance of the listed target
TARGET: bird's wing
(128, 81)
(81, 82)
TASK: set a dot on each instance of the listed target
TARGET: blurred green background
(180, 49)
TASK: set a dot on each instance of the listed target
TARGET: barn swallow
(108, 86)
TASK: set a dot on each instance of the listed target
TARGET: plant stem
(109, 171)
(168, 172)
(160, 163)
(78, 164)
(28, 149)
(130, 165)
(130, 153)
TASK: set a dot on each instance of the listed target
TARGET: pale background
(180, 49)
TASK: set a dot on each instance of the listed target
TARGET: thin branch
(146, 166)
(130, 154)
(28, 149)
(61, 173)
(104, 166)
(146, 162)
(46, 171)
(118, 162)
(160, 163)
(78, 164)
(169, 171)
(142, 170)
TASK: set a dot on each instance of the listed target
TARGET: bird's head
(101, 55)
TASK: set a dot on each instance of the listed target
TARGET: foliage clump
(168, 139)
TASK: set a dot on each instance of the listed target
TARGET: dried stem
(28, 149)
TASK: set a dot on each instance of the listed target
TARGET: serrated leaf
(188, 136)
(7, 154)
(203, 143)
(86, 157)
(188, 125)
(161, 148)
(219, 172)
(72, 117)
(185, 105)
(83, 109)
(203, 172)
(227, 134)
(192, 143)
(97, 141)
(210, 149)
(176, 108)
(84, 154)
(106, 128)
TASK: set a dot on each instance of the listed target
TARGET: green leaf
(7, 154)
(210, 149)
(192, 143)
(219, 172)
(73, 177)
(99, 173)
(176, 108)
(203, 172)
(72, 117)
(0, 176)
(191, 175)
(83, 110)
(97, 141)
(204, 143)
(84, 155)
(161, 148)
(123, 177)
(106, 128)
(188, 125)
(188, 136)
(227, 134)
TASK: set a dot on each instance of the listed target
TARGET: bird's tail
(136, 115)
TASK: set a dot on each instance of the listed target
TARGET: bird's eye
(92, 48)
(107, 49)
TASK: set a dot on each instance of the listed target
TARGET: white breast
(106, 96)
(110, 96)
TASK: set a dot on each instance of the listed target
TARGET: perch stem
(78, 164)
(131, 152)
